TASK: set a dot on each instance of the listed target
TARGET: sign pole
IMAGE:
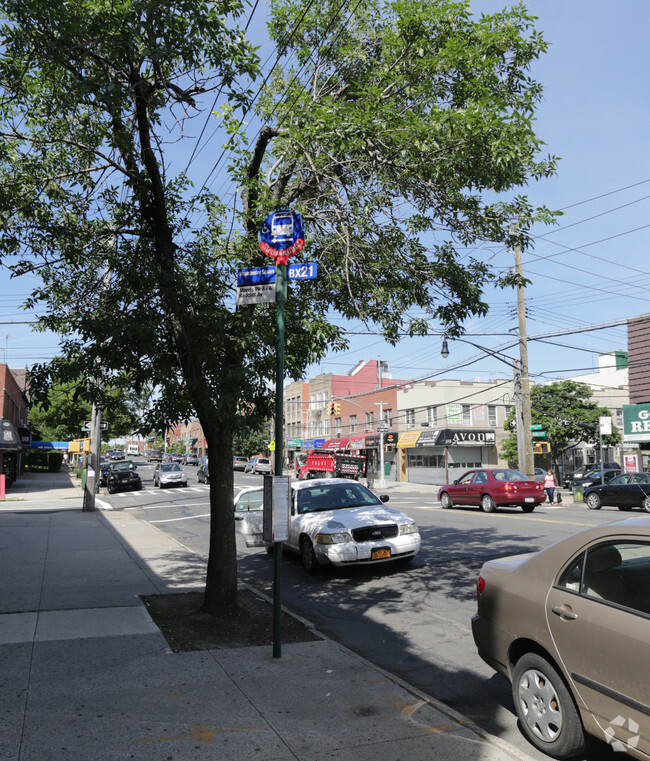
(280, 301)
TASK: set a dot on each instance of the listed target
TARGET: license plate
(530, 499)
(379, 554)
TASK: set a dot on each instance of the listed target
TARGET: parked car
(569, 626)
(489, 488)
(585, 470)
(340, 522)
(540, 475)
(154, 455)
(190, 459)
(594, 477)
(624, 491)
(258, 465)
(115, 454)
(103, 469)
(239, 463)
(249, 504)
(169, 474)
(121, 476)
(203, 473)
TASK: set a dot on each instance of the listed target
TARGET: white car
(258, 465)
(169, 474)
(249, 504)
(340, 522)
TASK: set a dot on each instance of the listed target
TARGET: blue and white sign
(302, 271)
(256, 275)
(281, 235)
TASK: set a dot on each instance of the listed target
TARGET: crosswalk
(170, 490)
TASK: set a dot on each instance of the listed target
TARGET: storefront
(440, 456)
(372, 452)
(10, 450)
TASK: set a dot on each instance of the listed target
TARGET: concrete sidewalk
(86, 674)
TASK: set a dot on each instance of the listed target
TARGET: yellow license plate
(379, 554)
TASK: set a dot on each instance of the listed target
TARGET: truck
(327, 463)
(132, 449)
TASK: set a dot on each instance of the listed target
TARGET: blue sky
(591, 269)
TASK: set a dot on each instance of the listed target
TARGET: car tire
(528, 508)
(445, 501)
(547, 712)
(594, 502)
(646, 504)
(110, 490)
(488, 505)
(308, 557)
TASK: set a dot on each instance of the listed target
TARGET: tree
(565, 411)
(400, 134)
(62, 412)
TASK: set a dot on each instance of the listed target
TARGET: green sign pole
(280, 301)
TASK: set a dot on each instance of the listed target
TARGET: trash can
(387, 469)
(578, 493)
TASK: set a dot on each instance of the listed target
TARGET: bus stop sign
(281, 235)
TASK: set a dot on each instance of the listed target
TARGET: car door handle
(564, 612)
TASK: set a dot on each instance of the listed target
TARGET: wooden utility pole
(527, 464)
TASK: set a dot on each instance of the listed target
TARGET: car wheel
(111, 490)
(488, 505)
(547, 712)
(646, 504)
(445, 501)
(528, 508)
(594, 502)
(308, 557)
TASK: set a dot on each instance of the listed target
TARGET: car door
(599, 618)
(477, 487)
(616, 491)
(459, 491)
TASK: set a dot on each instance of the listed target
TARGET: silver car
(569, 626)
(169, 474)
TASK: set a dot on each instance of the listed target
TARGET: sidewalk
(85, 673)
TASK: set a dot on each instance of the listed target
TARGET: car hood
(350, 517)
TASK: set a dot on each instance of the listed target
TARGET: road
(414, 622)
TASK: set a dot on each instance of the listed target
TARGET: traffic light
(337, 408)
(332, 408)
(541, 447)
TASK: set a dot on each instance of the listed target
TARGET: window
(614, 572)
(353, 423)
(467, 414)
(492, 414)
(619, 418)
(507, 409)
(432, 415)
(388, 417)
(410, 419)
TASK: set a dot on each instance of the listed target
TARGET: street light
(522, 404)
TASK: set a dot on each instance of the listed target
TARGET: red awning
(357, 442)
(336, 444)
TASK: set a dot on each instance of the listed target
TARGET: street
(414, 622)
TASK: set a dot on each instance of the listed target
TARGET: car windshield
(508, 475)
(122, 466)
(170, 467)
(334, 497)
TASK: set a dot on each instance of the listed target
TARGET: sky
(590, 269)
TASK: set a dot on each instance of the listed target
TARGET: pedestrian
(549, 485)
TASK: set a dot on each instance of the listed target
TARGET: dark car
(103, 469)
(203, 473)
(155, 455)
(595, 477)
(115, 454)
(489, 488)
(586, 470)
(569, 627)
(624, 491)
(122, 476)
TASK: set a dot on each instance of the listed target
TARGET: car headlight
(587, 483)
(408, 528)
(339, 538)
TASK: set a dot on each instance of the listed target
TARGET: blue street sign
(256, 275)
(281, 234)
(302, 271)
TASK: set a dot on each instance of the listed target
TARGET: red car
(488, 488)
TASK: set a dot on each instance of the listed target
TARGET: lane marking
(184, 518)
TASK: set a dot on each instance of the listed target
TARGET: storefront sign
(408, 439)
(636, 423)
(454, 414)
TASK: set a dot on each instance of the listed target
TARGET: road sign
(513, 423)
(539, 434)
(255, 275)
(256, 294)
(382, 428)
(536, 427)
(86, 425)
(302, 271)
(281, 235)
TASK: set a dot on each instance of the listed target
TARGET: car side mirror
(384, 497)
(456, 481)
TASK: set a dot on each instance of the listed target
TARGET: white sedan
(340, 522)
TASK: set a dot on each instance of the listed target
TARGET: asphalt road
(414, 622)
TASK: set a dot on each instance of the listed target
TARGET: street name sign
(264, 293)
(258, 275)
(536, 427)
(539, 434)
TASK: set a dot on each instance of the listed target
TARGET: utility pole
(526, 464)
(380, 428)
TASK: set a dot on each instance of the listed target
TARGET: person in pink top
(549, 485)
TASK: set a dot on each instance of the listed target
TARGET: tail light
(509, 486)
(480, 585)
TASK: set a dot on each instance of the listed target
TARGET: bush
(38, 459)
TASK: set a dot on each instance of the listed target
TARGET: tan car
(569, 626)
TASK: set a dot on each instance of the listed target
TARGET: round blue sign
(281, 235)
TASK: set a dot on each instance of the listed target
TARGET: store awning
(408, 439)
(357, 442)
(336, 444)
(9, 437)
